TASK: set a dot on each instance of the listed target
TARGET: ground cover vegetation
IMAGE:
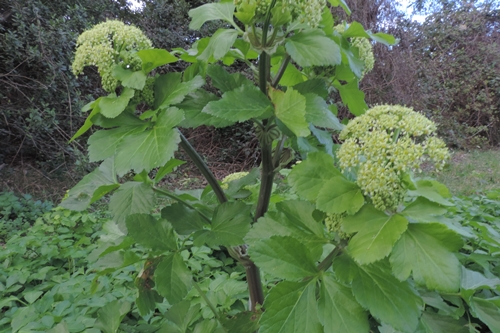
(347, 239)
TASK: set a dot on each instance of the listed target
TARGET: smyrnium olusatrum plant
(385, 262)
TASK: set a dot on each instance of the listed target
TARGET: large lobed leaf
(241, 104)
(290, 108)
(376, 235)
(291, 307)
(426, 249)
(151, 148)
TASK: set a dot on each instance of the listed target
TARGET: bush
(19, 213)
(40, 98)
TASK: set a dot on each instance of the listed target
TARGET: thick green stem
(202, 166)
(327, 262)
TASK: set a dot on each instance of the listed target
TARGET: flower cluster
(233, 176)
(301, 11)
(333, 223)
(384, 144)
(365, 50)
(106, 45)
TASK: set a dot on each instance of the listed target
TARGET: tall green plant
(351, 242)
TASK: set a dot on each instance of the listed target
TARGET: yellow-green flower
(301, 11)
(365, 50)
(106, 45)
(384, 144)
(233, 176)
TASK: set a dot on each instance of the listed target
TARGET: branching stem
(202, 166)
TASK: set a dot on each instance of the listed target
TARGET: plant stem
(327, 262)
(277, 153)
(210, 305)
(185, 203)
(202, 166)
(281, 71)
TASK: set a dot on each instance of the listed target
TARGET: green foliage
(17, 214)
(41, 99)
(391, 263)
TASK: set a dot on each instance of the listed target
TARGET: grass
(471, 172)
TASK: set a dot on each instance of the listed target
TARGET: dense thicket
(447, 67)
(40, 99)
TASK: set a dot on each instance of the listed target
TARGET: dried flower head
(384, 144)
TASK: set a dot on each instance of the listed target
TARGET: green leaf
(130, 79)
(488, 312)
(103, 143)
(339, 311)
(342, 3)
(242, 322)
(153, 58)
(327, 21)
(182, 315)
(433, 191)
(292, 218)
(173, 279)
(224, 81)
(32, 296)
(376, 235)
(167, 168)
(240, 104)
(62, 327)
(472, 280)
(22, 317)
(291, 307)
(219, 45)
(111, 106)
(88, 122)
(318, 113)
(423, 210)
(339, 195)
(435, 323)
(284, 257)
(352, 97)
(151, 233)
(131, 198)
(425, 249)
(290, 108)
(170, 90)
(193, 105)
(151, 148)
(184, 220)
(230, 223)
(313, 48)
(211, 11)
(291, 76)
(125, 119)
(309, 177)
(280, 16)
(387, 299)
(313, 86)
(383, 38)
(92, 187)
(355, 29)
(111, 315)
